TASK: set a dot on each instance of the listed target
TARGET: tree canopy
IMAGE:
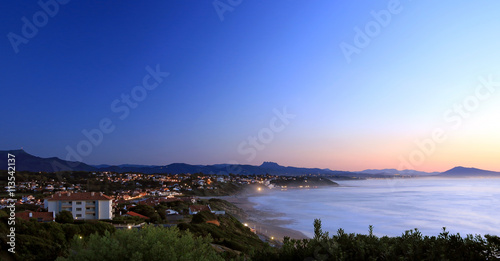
(148, 243)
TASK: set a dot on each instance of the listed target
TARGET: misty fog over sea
(462, 205)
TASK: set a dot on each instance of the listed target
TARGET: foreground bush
(148, 243)
(409, 246)
(46, 241)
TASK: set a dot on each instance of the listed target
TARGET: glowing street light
(246, 225)
(259, 189)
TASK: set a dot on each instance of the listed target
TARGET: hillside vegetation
(411, 245)
(223, 237)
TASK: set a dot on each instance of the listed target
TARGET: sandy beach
(266, 223)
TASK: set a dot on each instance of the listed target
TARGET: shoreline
(266, 223)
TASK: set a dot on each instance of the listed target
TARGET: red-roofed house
(83, 205)
(194, 209)
(134, 214)
(39, 216)
(215, 222)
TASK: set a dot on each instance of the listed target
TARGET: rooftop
(134, 214)
(79, 196)
(41, 216)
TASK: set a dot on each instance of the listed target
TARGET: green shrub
(411, 245)
(64, 217)
(149, 243)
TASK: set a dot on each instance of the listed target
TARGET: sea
(391, 206)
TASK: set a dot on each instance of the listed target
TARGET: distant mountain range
(469, 172)
(401, 172)
(28, 162)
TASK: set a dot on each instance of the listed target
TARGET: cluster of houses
(98, 206)
(62, 195)
(166, 185)
(46, 186)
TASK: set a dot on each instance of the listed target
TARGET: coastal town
(84, 203)
(135, 198)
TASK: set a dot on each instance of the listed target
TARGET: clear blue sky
(227, 77)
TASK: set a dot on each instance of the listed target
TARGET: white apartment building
(83, 205)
